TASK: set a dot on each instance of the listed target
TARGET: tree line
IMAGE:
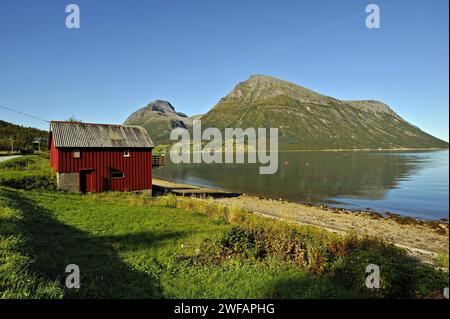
(22, 136)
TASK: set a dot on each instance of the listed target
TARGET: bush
(30, 182)
(238, 241)
(401, 277)
(168, 201)
(161, 149)
(442, 260)
(28, 172)
(20, 163)
(342, 258)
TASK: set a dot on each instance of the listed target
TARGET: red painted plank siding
(137, 168)
(54, 156)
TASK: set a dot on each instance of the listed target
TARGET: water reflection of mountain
(306, 176)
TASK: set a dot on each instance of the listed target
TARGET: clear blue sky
(192, 53)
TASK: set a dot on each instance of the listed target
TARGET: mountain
(159, 118)
(309, 120)
(22, 136)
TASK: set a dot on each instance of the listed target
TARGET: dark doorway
(86, 181)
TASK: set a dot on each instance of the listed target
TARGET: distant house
(99, 157)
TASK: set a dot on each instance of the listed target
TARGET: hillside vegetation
(23, 136)
(309, 120)
(159, 118)
(30, 172)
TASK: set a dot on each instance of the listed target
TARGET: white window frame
(126, 153)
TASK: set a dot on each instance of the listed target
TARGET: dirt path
(422, 240)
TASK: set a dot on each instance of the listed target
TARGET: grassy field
(128, 250)
(27, 172)
(132, 246)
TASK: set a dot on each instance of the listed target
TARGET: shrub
(401, 277)
(168, 201)
(343, 258)
(19, 163)
(30, 182)
(238, 241)
(27, 172)
(442, 260)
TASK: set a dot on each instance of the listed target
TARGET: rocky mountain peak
(159, 117)
(161, 106)
(263, 87)
(157, 107)
(371, 106)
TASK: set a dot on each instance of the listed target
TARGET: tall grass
(343, 257)
(442, 260)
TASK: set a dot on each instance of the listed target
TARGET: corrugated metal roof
(71, 134)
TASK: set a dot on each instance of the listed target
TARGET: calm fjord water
(411, 183)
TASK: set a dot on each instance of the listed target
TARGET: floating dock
(161, 187)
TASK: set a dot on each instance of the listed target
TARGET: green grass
(132, 246)
(128, 250)
(16, 278)
(28, 172)
(161, 149)
(442, 260)
(28, 163)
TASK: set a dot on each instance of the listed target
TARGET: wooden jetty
(161, 187)
(158, 160)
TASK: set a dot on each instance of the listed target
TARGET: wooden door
(86, 181)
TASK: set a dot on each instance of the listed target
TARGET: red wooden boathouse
(100, 157)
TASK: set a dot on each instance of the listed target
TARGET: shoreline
(422, 239)
(341, 150)
(369, 149)
(320, 205)
(332, 203)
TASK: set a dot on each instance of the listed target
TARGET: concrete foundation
(68, 182)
